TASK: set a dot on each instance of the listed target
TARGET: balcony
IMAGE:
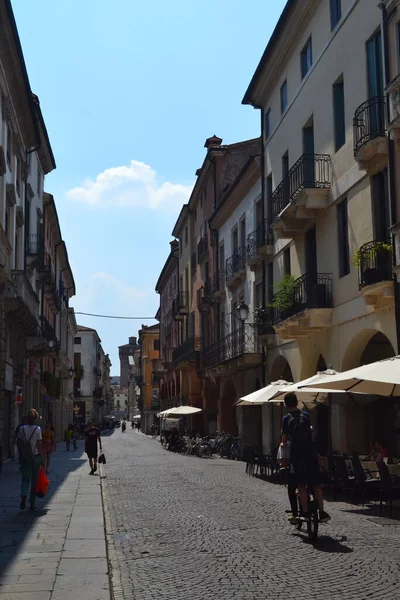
(158, 369)
(304, 307)
(48, 278)
(205, 296)
(235, 270)
(202, 249)
(219, 284)
(166, 357)
(302, 193)
(370, 138)
(260, 245)
(375, 274)
(187, 352)
(243, 346)
(34, 250)
(21, 301)
(180, 306)
(5, 255)
(43, 342)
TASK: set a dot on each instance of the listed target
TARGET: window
(186, 236)
(336, 12)
(286, 262)
(156, 344)
(284, 96)
(306, 58)
(343, 239)
(9, 146)
(338, 114)
(77, 340)
(268, 123)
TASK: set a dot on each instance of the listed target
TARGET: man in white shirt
(30, 445)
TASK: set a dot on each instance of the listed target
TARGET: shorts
(92, 453)
(305, 469)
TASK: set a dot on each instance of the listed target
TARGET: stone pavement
(185, 528)
(59, 551)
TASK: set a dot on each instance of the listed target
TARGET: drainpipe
(391, 160)
(263, 263)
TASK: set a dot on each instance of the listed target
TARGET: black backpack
(300, 432)
(25, 449)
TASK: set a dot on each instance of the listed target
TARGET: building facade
(325, 182)
(125, 352)
(149, 342)
(167, 288)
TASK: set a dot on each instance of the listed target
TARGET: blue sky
(130, 91)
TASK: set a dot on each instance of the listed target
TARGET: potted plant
(373, 260)
(262, 320)
(284, 300)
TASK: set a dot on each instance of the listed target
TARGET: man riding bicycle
(304, 466)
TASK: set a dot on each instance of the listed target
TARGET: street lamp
(243, 311)
(71, 372)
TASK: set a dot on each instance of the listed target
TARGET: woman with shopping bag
(31, 458)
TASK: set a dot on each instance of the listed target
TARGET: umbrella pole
(330, 424)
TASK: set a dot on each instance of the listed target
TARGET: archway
(281, 370)
(228, 396)
(368, 346)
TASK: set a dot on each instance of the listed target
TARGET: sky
(130, 91)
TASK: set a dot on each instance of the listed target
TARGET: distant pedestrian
(48, 445)
(92, 439)
(75, 436)
(30, 448)
(67, 439)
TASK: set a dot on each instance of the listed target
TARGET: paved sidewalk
(59, 551)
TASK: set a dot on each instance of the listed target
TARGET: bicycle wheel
(312, 525)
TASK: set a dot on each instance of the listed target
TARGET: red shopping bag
(42, 484)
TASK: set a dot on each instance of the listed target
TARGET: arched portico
(368, 346)
(281, 369)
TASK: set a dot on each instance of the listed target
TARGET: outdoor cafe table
(372, 467)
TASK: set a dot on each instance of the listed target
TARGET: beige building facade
(320, 89)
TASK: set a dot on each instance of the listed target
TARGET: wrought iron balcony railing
(34, 244)
(375, 263)
(258, 238)
(235, 264)
(369, 122)
(308, 291)
(202, 248)
(205, 296)
(47, 330)
(311, 171)
(180, 306)
(187, 350)
(19, 290)
(242, 341)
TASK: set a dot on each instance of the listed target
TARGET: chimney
(133, 341)
(212, 142)
(174, 245)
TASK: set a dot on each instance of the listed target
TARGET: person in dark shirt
(304, 466)
(92, 439)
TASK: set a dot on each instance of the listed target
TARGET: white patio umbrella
(381, 378)
(184, 411)
(164, 413)
(310, 394)
(262, 396)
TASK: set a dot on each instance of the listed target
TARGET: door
(375, 116)
(308, 155)
(311, 288)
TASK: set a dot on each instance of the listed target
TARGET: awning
(262, 396)
(184, 411)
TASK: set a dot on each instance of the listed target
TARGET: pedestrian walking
(48, 445)
(92, 441)
(31, 458)
(68, 438)
(75, 435)
(15, 442)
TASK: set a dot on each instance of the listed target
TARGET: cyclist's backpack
(300, 432)
(25, 449)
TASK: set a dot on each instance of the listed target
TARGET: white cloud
(134, 185)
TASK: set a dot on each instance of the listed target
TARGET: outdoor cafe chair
(389, 486)
(363, 482)
(344, 478)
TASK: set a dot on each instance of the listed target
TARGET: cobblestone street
(185, 528)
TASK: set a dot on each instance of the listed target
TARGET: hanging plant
(367, 255)
(79, 372)
(284, 297)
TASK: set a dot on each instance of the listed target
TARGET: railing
(258, 238)
(47, 330)
(205, 296)
(34, 244)
(186, 350)
(180, 305)
(20, 287)
(202, 248)
(219, 281)
(242, 341)
(167, 355)
(310, 171)
(369, 122)
(308, 291)
(235, 264)
(375, 263)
